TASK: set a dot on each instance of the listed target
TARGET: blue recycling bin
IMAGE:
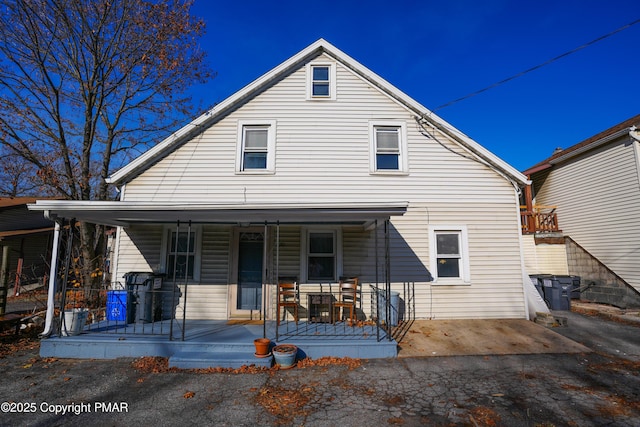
(117, 306)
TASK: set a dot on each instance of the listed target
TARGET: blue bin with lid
(117, 306)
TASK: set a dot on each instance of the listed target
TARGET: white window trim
(271, 147)
(465, 278)
(403, 161)
(332, 81)
(197, 262)
(304, 251)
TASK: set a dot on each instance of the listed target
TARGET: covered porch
(172, 330)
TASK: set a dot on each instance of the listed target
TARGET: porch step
(220, 359)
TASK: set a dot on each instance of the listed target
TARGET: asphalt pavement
(600, 386)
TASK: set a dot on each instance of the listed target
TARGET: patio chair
(347, 297)
(288, 296)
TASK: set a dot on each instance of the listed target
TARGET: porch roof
(123, 213)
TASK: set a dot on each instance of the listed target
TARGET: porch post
(528, 196)
(52, 280)
(387, 265)
(186, 280)
(173, 298)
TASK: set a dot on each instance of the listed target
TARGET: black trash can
(144, 302)
(561, 288)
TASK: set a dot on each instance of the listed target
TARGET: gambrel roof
(150, 157)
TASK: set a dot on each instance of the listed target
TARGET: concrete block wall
(602, 285)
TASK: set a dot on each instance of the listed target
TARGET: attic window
(321, 81)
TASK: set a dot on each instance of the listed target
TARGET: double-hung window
(449, 254)
(321, 81)
(322, 255)
(256, 146)
(388, 147)
(182, 254)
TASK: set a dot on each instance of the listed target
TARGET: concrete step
(217, 359)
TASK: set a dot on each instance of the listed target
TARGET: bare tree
(86, 84)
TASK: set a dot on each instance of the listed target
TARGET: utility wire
(501, 82)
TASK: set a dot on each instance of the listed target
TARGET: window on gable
(321, 81)
(388, 147)
(255, 150)
(449, 254)
(256, 146)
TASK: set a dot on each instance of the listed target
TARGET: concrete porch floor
(227, 344)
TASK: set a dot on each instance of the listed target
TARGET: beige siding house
(320, 169)
(594, 187)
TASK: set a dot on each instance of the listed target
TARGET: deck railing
(541, 219)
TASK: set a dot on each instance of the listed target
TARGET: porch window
(388, 147)
(322, 255)
(182, 254)
(449, 254)
(321, 81)
(256, 145)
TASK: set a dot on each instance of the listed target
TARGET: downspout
(48, 324)
(525, 276)
(634, 134)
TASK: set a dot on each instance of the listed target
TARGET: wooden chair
(288, 296)
(347, 297)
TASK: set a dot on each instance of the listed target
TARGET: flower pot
(262, 347)
(285, 355)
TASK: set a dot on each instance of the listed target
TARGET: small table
(320, 307)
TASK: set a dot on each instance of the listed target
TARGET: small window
(449, 254)
(321, 81)
(388, 147)
(255, 150)
(256, 146)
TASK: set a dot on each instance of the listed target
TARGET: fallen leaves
(188, 395)
(157, 365)
(284, 403)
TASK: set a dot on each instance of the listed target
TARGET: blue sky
(439, 51)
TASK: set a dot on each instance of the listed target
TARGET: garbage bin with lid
(392, 316)
(144, 302)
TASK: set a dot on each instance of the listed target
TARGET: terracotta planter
(262, 347)
(285, 355)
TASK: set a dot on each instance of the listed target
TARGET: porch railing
(541, 219)
(121, 311)
(379, 312)
(383, 313)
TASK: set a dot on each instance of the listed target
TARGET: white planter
(73, 322)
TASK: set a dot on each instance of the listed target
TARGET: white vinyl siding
(598, 196)
(323, 156)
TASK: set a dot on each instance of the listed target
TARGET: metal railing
(386, 315)
(119, 311)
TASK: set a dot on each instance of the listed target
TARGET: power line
(508, 79)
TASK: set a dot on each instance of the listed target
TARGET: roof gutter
(594, 144)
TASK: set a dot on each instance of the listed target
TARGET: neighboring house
(593, 189)
(319, 169)
(25, 239)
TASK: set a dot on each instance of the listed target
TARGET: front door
(248, 293)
